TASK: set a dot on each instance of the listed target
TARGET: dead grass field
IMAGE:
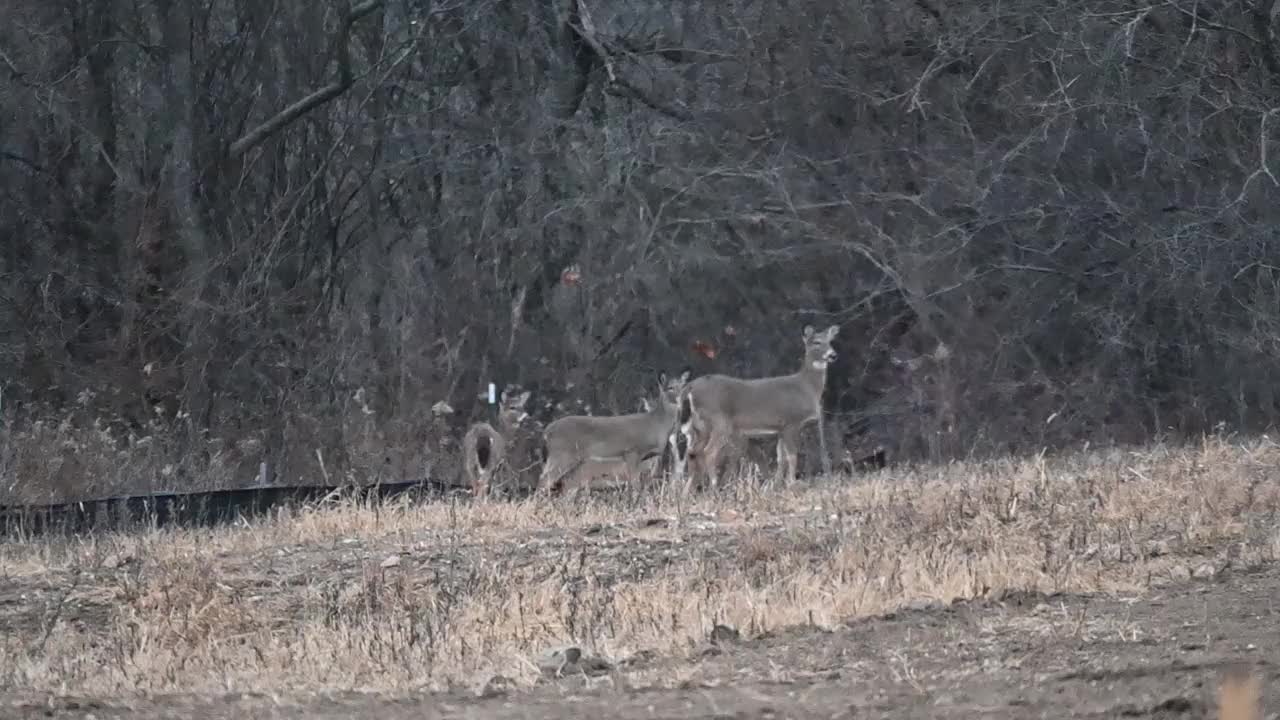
(398, 597)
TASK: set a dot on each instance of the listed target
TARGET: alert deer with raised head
(578, 448)
(485, 448)
(718, 409)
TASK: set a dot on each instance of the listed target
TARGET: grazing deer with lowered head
(716, 409)
(484, 448)
(577, 448)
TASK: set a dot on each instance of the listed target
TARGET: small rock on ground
(570, 660)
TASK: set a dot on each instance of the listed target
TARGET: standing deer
(716, 409)
(485, 448)
(579, 447)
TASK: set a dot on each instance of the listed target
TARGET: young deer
(716, 409)
(485, 448)
(580, 447)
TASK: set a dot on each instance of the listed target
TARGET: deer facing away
(578, 448)
(485, 449)
(717, 409)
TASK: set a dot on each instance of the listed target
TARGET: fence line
(192, 509)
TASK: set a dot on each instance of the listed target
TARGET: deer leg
(788, 441)
(689, 447)
(630, 468)
(693, 467)
(696, 458)
(578, 478)
(822, 444)
(780, 466)
(732, 454)
(550, 477)
(477, 480)
(710, 454)
(678, 460)
(469, 473)
(572, 484)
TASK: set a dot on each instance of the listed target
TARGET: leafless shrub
(1074, 199)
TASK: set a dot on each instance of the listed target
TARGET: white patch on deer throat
(819, 364)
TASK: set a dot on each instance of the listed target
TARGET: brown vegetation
(403, 596)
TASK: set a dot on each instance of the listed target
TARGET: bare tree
(226, 222)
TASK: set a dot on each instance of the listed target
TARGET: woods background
(266, 229)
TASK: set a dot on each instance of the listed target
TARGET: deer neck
(813, 377)
(663, 411)
(506, 426)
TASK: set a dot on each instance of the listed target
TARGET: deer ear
(832, 332)
(523, 398)
(684, 375)
(662, 378)
(808, 331)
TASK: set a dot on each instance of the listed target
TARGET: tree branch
(1201, 20)
(624, 89)
(586, 29)
(22, 160)
(344, 81)
(577, 59)
(13, 69)
(1262, 12)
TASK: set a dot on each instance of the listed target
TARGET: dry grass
(302, 601)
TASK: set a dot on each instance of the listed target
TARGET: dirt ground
(1169, 563)
(1024, 656)
(1159, 655)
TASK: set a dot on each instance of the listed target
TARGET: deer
(576, 448)
(716, 409)
(484, 448)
